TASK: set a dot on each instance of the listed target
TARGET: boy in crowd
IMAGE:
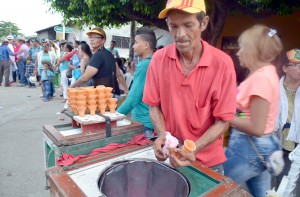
(30, 68)
(47, 77)
(113, 50)
(144, 44)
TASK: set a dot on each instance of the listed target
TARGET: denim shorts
(243, 164)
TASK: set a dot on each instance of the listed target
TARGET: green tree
(110, 12)
(118, 12)
(8, 28)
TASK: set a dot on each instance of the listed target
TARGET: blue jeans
(52, 88)
(148, 132)
(243, 165)
(21, 70)
(47, 89)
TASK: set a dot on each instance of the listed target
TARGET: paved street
(22, 116)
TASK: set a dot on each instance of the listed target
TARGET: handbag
(69, 73)
(274, 163)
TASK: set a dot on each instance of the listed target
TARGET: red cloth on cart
(69, 159)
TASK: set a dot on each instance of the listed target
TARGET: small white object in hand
(272, 32)
(171, 142)
(276, 162)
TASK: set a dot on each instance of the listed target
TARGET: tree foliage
(8, 28)
(110, 12)
(265, 8)
(118, 12)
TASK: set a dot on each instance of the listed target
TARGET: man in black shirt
(102, 66)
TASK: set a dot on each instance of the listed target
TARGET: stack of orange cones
(91, 99)
(100, 90)
(72, 99)
(81, 101)
(111, 102)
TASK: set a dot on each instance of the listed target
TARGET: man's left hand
(186, 158)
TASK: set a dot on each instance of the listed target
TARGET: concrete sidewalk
(22, 116)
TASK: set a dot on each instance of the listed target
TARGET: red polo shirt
(191, 104)
(16, 50)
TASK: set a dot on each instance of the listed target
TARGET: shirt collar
(205, 59)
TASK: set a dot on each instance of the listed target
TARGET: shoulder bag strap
(257, 153)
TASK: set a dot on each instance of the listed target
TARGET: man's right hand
(157, 146)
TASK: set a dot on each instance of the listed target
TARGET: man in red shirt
(190, 88)
(17, 46)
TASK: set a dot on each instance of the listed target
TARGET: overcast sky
(29, 15)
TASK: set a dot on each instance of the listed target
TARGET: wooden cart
(80, 179)
(82, 136)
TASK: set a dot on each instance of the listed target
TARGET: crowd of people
(24, 64)
(188, 88)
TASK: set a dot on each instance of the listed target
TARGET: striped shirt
(29, 69)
